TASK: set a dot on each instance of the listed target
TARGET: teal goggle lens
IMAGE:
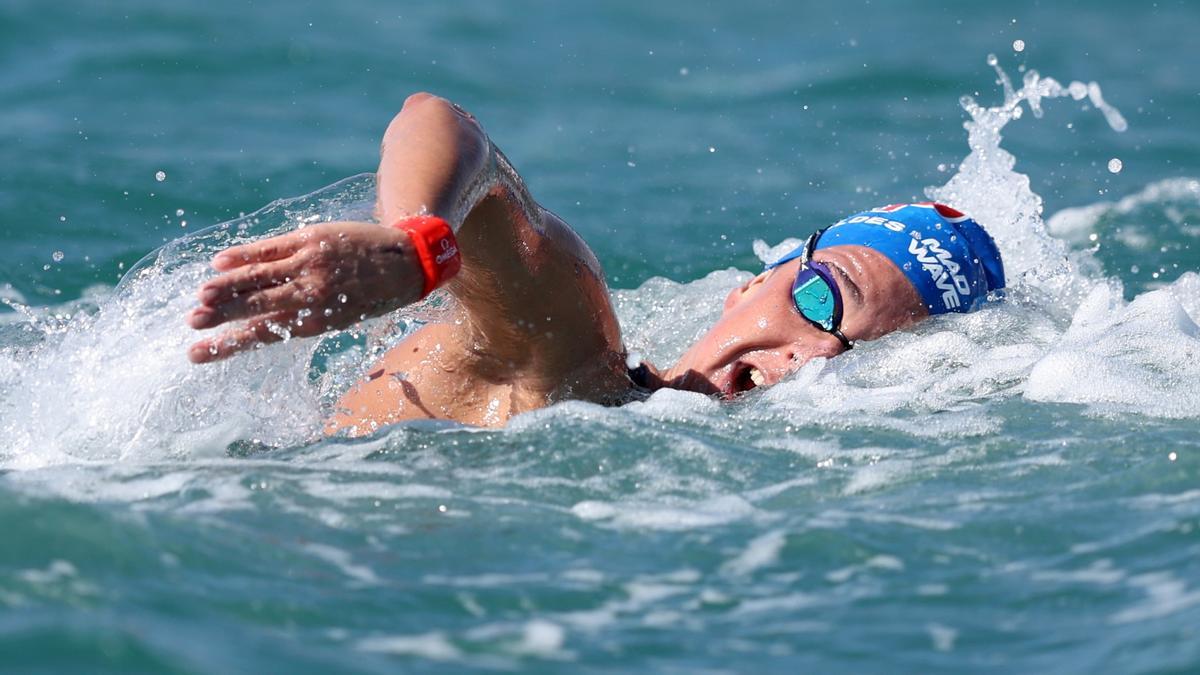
(814, 291)
(815, 299)
(818, 300)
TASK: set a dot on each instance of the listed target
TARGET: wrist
(436, 249)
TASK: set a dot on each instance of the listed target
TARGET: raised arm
(532, 292)
(435, 160)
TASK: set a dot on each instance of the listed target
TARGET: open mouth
(746, 377)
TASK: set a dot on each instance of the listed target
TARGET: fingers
(256, 276)
(288, 298)
(261, 331)
(267, 250)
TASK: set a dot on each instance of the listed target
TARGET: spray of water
(987, 186)
(106, 378)
(1064, 334)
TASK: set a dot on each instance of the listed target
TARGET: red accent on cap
(436, 248)
(948, 211)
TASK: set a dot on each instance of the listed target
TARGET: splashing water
(1135, 358)
(923, 489)
(987, 187)
(107, 379)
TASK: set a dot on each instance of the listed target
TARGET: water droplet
(1115, 165)
(683, 71)
(711, 149)
(178, 212)
(342, 298)
(57, 256)
(1018, 45)
(328, 312)
(160, 175)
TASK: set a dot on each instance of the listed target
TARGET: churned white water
(960, 489)
(106, 378)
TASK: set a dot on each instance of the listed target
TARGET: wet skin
(532, 322)
(761, 330)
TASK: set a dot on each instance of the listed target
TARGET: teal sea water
(1016, 490)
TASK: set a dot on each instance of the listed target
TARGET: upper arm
(530, 286)
(431, 152)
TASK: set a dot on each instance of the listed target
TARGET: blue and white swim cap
(949, 258)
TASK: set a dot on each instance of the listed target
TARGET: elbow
(433, 113)
(421, 98)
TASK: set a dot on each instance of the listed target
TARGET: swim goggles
(814, 291)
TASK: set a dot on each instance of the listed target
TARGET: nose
(765, 330)
(777, 347)
(776, 364)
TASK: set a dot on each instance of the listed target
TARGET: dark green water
(1011, 491)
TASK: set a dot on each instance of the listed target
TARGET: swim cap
(949, 258)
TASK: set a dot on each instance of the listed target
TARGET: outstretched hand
(323, 277)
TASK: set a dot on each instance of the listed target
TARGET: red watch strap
(436, 247)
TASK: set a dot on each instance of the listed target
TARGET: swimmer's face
(761, 337)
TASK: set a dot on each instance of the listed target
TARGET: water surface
(1010, 491)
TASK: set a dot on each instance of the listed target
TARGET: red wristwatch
(436, 247)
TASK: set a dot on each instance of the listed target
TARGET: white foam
(1141, 357)
(942, 636)
(780, 604)
(58, 570)
(345, 492)
(109, 380)
(491, 580)
(435, 646)
(837, 518)
(59, 580)
(344, 562)
(1076, 223)
(762, 551)
(667, 515)
(1166, 594)
(875, 476)
(1158, 501)
(662, 318)
(542, 638)
(1100, 572)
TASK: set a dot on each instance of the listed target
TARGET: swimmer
(533, 321)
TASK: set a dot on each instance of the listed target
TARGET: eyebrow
(846, 280)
